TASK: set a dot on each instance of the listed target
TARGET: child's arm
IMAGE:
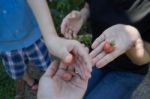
(59, 47)
(44, 18)
(73, 22)
(53, 42)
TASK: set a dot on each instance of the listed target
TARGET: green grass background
(7, 85)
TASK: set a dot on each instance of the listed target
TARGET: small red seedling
(109, 47)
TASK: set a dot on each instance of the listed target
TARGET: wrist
(138, 54)
(51, 40)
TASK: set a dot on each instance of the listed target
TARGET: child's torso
(17, 22)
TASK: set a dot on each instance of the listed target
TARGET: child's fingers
(83, 45)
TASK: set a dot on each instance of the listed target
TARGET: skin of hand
(73, 22)
(147, 46)
(62, 48)
(76, 51)
(123, 36)
(52, 86)
(140, 52)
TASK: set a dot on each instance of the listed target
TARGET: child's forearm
(139, 55)
(85, 12)
(44, 18)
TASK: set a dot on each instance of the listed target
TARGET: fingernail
(68, 59)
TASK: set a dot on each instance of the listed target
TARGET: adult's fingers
(85, 57)
(83, 72)
(63, 73)
(98, 41)
(52, 69)
(97, 50)
(85, 66)
(106, 59)
(98, 57)
(68, 73)
(66, 76)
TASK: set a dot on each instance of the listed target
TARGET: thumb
(67, 58)
(139, 48)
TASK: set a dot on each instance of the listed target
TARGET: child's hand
(71, 24)
(68, 50)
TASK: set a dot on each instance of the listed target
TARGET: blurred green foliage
(7, 85)
(60, 8)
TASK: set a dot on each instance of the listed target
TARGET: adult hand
(59, 47)
(71, 24)
(52, 86)
(123, 37)
(68, 50)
